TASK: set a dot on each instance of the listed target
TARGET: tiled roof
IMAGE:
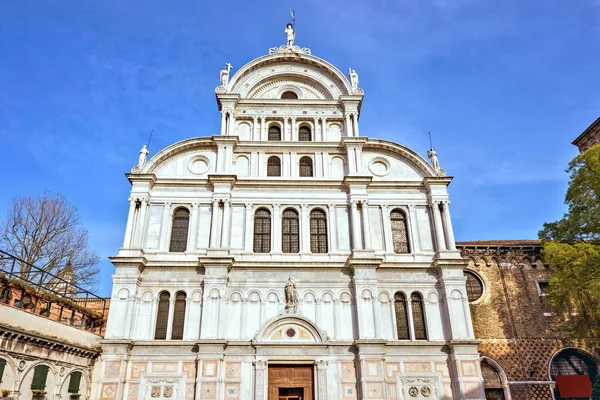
(515, 243)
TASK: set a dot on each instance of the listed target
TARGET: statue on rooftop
(225, 74)
(290, 34)
(353, 78)
(143, 156)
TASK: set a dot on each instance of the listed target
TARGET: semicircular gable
(273, 88)
(287, 328)
(191, 157)
(388, 160)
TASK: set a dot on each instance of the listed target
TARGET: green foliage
(596, 389)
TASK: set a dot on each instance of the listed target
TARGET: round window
(474, 286)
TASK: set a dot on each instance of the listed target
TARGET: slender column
(387, 229)
(276, 236)
(129, 227)
(348, 125)
(411, 322)
(414, 225)
(225, 228)
(293, 165)
(248, 228)
(448, 225)
(316, 136)
(305, 230)
(324, 129)
(294, 133)
(366, 225)
(223, 122)
(286, 133)
(355, 225)
(139, 236)
(165, 228)
(260, 381)
(439, 229)
(325, 161)
(170, 318)
(192, 241)
(231, 124)
(263, 129)
(333, 245)
(254, 135)
(322, 379)
(213, 224)
(355, 124)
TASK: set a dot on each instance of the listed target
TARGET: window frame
(300, 166)
(179, 310)
(477, 277)
(263, 235)
(274, 125)
(305, 126)
(290, 239)
(173, 242)
(291, 98)
(318, 235)
(405, 315)
(395, 211)
(160, 313)
(423, 316)
(269, 174)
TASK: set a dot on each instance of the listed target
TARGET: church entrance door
(291, 382)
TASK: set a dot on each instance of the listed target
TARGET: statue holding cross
(225, 74)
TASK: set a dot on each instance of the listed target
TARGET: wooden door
(290, 382)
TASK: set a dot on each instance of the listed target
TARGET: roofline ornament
(290, 47)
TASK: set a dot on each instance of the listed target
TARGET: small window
(274, 133)
(304, 134)
(306, 167)
(399, 231)
(262, 231)
(418, 314)
(273, 166)
(474, 286)
(401, 316)
(543, 285)
(290, 231)
(178, 316)
(74, 382)
(179, 231)
(318, 231)
(162, 316)
(289, 95)
(40, 374)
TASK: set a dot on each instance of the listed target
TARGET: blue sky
(504, 87)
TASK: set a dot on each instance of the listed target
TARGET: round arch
(279, 329)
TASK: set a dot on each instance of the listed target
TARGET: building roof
(502, 243)
(593, 127)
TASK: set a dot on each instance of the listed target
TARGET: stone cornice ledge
(149, 178)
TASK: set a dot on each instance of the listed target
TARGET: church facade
(289, 257)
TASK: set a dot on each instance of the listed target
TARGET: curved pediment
(276, 85)
(288, 328)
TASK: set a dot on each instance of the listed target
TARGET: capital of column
(254, 118)
(195, 205)
(262, 118)
(331, 206)
(260, 364)
(144, 200)
(248, 206)
(364, 202)
(354, 203)
(322, 364)
(304, 207)
(226, 202)
(215, 202)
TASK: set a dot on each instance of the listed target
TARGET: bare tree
(45, 231)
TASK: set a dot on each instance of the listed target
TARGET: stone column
(366, 226)
(414, 225)
(231, 124)
(294, 133)
(324, 129)
(248, 228)
(355, 225)
(129, 227)
(192, 241)
(355, 124)
(214, 242)
(276, 236)
(387, 229)
(348, 125)
(141, 225)
(304, 230)
(333, 245)
(171, 313)
(165, 228)
(225, 227)
(438, 226)
(316, 138)
(322, 379)
(223, 122)
(286, 134)
(448, 225)
(254, 135)
(263, 129)
(260, 382)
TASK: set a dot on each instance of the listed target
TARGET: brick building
(589, 137)
(523, 344)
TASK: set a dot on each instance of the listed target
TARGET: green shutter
(74, 382)
(39, 377)
(2, 365)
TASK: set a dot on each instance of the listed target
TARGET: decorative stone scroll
(289, 49)
(424, 387)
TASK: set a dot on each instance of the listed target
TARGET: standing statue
(225, 74)
(353, 78)
(291, 297)
(434, 159)
(290, 34)
(143, 155)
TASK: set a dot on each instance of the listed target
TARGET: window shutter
(178, 316)
(2, 365)
(162, 316)
(401, 316)
(40, 373)
(74, 382)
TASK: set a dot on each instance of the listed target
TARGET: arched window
(178, 316)
(569, 362)
(399, 231)
(401, 316)
(306, 166)
(274, 133)
(74, 382)
(289, 95)
(262, 231)
(418, 314)
(474, 286)
(162, 316)
(304, 134)
(318, 231)
(40, 375)
(179, 231)
(273, 166)
(492, 384)
(290, 231)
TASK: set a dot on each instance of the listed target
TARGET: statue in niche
(291, 296)
(290, 34)
(353, 78)
(225, 74)
(143, 155)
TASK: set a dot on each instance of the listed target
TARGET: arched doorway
(494, 380)
(574, 372)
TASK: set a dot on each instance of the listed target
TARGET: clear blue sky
(504, 87)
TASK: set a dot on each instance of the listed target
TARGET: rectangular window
(40, 373)
(74, 382)
(543, 285)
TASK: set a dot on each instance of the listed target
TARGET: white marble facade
(235, 322)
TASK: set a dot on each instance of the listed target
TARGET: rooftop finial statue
(143, 155)
(353, 78)
(434, 159)
(225, 74)
(291, 296)
(290, 34)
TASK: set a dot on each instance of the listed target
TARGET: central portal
(290, 382)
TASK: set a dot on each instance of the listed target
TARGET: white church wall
(376, 228)
(144, 321)
(237, 227)
(189, 164)
(154, 226)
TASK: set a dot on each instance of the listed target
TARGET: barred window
(178, 316)
(274, 133)
(401, 316)
(304, 134)
(399, 231)
(306, 166)
(572, 361)
(262, 231)
(318, 231)
(289, 95)
(179, 231)
(474, 286)
(290, 231)
(162, 316)
(418, 315)
(273, 166)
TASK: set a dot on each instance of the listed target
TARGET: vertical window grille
(401, 316)
(418, 315)
(40, 374)
(74, 382)
(399, 232)
(290, 232)
(178, 316)
(306, 166)
(273, 166)
(304, 134)
(274, 133)
(179, 231)
(262, 231)
(318, 231)
(162, 316)
(474, 286)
